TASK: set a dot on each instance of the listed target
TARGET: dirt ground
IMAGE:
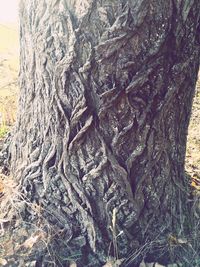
(9, 69)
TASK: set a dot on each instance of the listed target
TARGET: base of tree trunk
(31, 240)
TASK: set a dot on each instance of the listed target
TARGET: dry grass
(20, 239)
(9, 38)
(9, 68)
(9, 198)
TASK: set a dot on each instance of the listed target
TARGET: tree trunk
(99, 144)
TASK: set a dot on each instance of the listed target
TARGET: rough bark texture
(106, 94)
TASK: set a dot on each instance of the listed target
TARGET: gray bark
(106, 95)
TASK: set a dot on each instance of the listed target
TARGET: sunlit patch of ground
(9, 38)
(9, 68)
(193, 144)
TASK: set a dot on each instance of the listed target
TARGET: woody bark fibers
(106, 94)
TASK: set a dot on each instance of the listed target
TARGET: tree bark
(99, 143)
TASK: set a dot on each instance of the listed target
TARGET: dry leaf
(182, 241)
(3, 262)
(31, 241)
(108, 264)
(73, 264)
(8, 247)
